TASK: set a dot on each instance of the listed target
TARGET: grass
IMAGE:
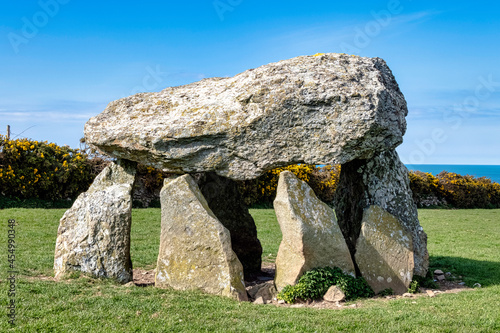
(465, 242)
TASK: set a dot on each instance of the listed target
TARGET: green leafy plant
(314, 284)
(426, 281)
(414, 287)
(386, 292)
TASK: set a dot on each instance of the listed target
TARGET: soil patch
(445, 287)
(145, 278)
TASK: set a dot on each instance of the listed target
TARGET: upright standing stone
(94, 234)
(225, 201)
(382, 181)
(195, 248)
(311, 236)
(384, 251)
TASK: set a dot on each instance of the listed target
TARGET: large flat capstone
(311, 235)
(195, 248)
(325, 109)
(94, 234)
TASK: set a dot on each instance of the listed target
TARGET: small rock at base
(438, 272)
(129, 284)
(267, 291)
(334, 294)
(440, 277)
(259, 300)
(252, 290)
(430, 293)
(297, 306)
(407, 295)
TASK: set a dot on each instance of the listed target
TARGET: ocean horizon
(488, 171)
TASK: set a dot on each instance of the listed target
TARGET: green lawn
(465, 242)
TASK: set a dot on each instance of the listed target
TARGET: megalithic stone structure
(94, 234)
(323, 109)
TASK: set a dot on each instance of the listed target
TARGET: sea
(489, 171)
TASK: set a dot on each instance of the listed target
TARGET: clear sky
(63, 61)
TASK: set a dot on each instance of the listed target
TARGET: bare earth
(143, 278)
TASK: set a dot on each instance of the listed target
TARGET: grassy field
(464, 242)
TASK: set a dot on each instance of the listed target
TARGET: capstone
(325, 109)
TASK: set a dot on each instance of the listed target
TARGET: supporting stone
(195, 248)
(94, 234)
(225, 201)
(311, 235)
(382, 181)
(384, 252)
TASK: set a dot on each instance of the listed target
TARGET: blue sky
(63, 61)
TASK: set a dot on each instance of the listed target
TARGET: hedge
(32, 169)
(45, 175)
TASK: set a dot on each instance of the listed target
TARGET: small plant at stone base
(426, 281)
(414, 287)
(73, 275)
(386, 292)
(314, 284)
(290, 293)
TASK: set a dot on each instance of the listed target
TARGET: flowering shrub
(444, 190)
(427, 190)
(469, 192)
(452, 189)
(148, 183)
(324, 181)
(33, 169)
(262, 191)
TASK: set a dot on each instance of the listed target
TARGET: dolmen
(321, 109)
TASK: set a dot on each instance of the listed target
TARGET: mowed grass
(465, 242)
